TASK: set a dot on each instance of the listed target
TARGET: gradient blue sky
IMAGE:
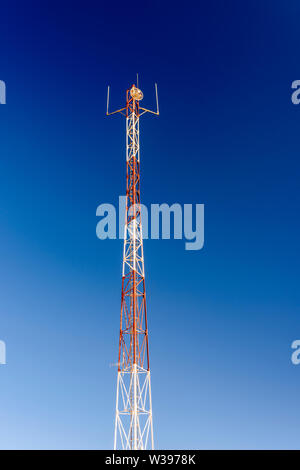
(222, 319)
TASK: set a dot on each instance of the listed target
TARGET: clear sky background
(221, 319)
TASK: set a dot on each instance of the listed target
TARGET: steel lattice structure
(133, 421)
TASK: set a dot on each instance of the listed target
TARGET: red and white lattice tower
(133, 421)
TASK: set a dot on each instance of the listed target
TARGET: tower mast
(133, 420)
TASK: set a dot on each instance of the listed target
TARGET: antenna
(107, 100)
(157, 108)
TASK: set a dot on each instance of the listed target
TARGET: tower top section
(135, 95)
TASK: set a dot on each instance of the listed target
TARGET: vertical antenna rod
(133, 421)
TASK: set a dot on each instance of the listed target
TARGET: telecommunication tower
(133, 421)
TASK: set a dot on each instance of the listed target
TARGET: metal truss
(133, 421)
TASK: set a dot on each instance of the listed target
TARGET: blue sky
(221, 319)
